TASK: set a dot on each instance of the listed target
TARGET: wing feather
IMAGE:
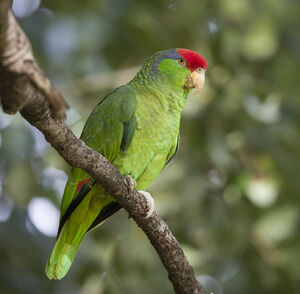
(110, 126)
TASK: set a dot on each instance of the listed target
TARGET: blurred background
(231, 197)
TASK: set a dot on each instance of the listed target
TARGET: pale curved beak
(195, 79)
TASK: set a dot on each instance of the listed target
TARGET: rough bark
(24, 88)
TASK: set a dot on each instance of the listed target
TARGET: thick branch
(19, 70)
(24, 88)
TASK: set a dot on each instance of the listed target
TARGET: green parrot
(136, 127)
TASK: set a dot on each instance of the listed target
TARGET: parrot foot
(150, 202)
(130, 182)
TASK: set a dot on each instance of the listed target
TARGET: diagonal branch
(19, 69)
(24, 88)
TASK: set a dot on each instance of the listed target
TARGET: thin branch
(24, 88)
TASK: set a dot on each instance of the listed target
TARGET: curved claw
(150, 202)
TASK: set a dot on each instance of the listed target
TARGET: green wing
(173, 151)
(109, 130)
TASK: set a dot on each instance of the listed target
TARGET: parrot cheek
(195, 79)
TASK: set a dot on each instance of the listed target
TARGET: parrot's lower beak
(195, 79)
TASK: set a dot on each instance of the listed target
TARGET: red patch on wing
(80, 183)
(193, 59)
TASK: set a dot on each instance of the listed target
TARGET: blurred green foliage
(232, 195)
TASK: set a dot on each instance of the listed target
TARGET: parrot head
(180, 67)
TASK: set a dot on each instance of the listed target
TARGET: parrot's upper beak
(195, 79)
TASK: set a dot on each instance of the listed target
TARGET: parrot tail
(61, 257)
(89, 210)
(74, 224)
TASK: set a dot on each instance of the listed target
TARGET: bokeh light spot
(44, 215)
(23, 8)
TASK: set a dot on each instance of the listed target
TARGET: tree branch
(24, 88)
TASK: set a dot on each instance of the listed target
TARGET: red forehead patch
(193, 59)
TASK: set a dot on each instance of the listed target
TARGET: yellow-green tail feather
(73, 231)
(61, 258)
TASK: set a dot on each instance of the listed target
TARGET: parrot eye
(181, 61)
